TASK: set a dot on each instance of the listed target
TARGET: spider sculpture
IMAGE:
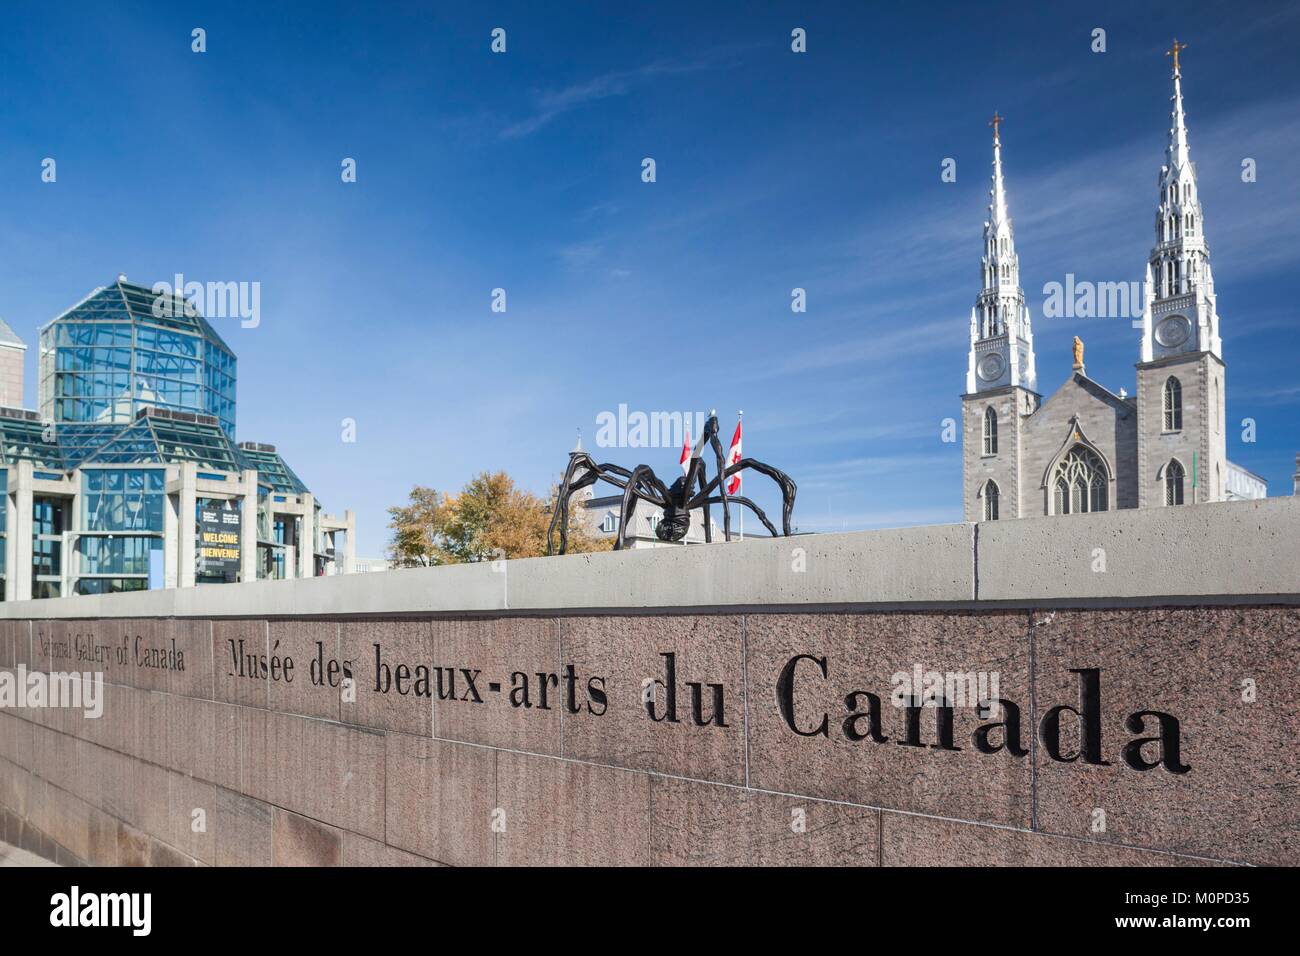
(694, 490)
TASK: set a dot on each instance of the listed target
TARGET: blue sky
(522, 171)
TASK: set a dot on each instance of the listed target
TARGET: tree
(418, 530)
(490, 519)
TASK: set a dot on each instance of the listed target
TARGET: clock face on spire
(1173, 331)
(991, 367)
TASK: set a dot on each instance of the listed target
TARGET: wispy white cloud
(1077, 216)
(1287, 395)
(579, 255)
(550, 104)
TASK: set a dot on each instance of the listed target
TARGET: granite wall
(745, 736)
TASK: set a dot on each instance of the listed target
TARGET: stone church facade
(1086, 448)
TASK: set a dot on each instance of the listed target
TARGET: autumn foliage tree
(489, 519)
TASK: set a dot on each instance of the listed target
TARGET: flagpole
(739, 416)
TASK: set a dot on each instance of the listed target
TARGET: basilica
(1086, 448)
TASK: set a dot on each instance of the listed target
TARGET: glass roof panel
(272, 469)
(24, 439)
(78, 440)
(155, 439)
(124, 301)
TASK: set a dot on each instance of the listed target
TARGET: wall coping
(1225, 552)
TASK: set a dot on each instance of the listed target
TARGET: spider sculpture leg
(784, 481)
(570, 486)
(742, 500)
(722, 485)
(560, 515)
(656, 494)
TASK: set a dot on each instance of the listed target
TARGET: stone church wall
(1108, 423)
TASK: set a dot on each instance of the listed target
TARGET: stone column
(307, 540)
(71, 565)
(185, 545)
(20, 528)
(171, 530)
(248, 528)
(13, 528)
(350, 545)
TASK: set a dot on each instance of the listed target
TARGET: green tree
(418, 530)
(490, 519)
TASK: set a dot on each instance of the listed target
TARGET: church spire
(1177, 153)
(1001, 337)
(998, 207)
(1180, 314)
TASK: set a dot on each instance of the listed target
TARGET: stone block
(393, 685)
(564, 813)
(303, 688)
(700, 824)
(521, 688)
(915, 841)
(1226, 676)
(692, 736)
(440, 799)
(299, 841)
(236, 678)
(812, 732)
(242, 830)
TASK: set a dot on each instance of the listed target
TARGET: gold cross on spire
(995, 122)
(1174, 51)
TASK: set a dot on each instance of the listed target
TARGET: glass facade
(48, 525)
(125, 347)
(271, 468)
(122, 522)
(131, 385)
(122, 499)
(155, 438)
(28, 438)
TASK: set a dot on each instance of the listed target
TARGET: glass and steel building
(124, 348)
(129, 476)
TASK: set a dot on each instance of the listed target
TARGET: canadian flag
(733, 456)
(686, 452)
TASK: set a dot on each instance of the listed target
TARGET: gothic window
(1080, 483)
(1173, 482)
(1098, 494)
(990, 431)
(991, 501)
(1191, 224)
(1173, 405)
